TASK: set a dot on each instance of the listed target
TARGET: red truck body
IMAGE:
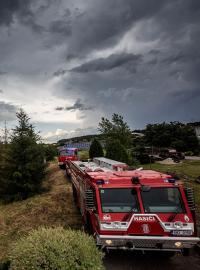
(65, 154)
(138, 209)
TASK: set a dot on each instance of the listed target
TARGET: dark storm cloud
(167, 78)
(59, 108)
(150, 70)
(8, 8)
(2, 72)
(60, 27)
(104, 22)
(1, 91)
(109, 63)
(7, 111)
(79, 106)
(59, 72)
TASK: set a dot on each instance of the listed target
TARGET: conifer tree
(96, 149)
(24, 165)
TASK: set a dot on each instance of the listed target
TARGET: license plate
(181, 233)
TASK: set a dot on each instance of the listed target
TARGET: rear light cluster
(170, 180)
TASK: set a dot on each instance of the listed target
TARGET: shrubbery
(56, 248)
(50, 151)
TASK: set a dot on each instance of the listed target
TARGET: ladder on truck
(101, 164)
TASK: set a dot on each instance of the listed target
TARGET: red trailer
(65, 154)
(137, 210)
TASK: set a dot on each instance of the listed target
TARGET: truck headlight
(108, 242)
(178, 244)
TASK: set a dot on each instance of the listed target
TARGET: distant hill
(89, 138)
(85, 138)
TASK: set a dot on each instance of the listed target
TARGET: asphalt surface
(124, 260)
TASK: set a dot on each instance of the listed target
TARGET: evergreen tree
(116, 129)
(24, 164)
(96, 149)
(115, 150)
(3, 152)
(50, 151)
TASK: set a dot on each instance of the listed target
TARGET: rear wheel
(88, 225)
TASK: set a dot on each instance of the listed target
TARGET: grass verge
(52, 208)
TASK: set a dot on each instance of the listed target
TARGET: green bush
(56, 248)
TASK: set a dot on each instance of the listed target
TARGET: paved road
(117, 260)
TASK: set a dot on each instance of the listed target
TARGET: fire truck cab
(65, 154)
(137, 210)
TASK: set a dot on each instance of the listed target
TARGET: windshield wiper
(127, 216)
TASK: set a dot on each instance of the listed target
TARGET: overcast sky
(67, 63)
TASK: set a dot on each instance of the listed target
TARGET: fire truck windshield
(119, 200)
(163, 200)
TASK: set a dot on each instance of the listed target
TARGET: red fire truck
(65, 154)
(137, 210)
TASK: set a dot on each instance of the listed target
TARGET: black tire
(62, 167)
(75, 197)
(88, 226)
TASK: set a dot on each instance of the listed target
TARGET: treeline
(23, 161)
(176, 135)
(124, 145)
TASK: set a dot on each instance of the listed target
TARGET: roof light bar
(100, 182)
(170, 180)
